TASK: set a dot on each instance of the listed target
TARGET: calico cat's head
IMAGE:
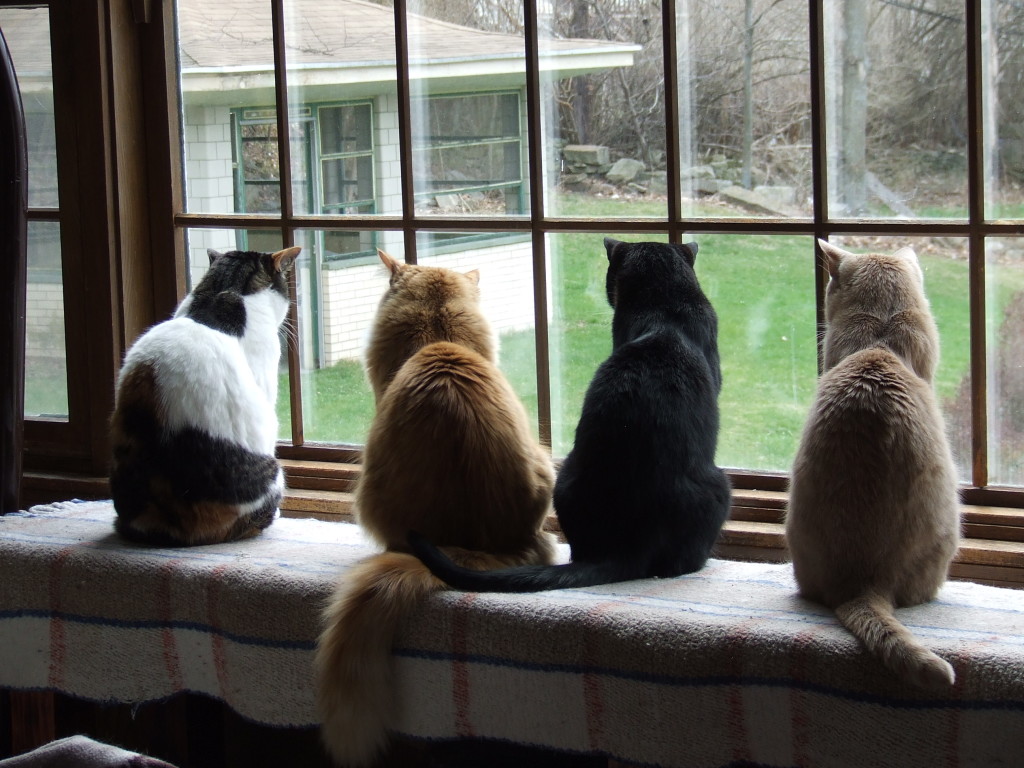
(247, 272)
(878, 299)
(423, 305)
(240, 286)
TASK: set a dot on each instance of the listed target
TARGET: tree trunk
(854, 107)
(748, 94)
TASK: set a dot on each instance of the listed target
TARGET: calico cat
(873, 517)
(194, 425)
(450, 453)
(639, 494)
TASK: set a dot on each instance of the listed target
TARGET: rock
(572, 179)
(625, 171)
(753, 202)
(709, 186)
(699, 172)
(585, 154)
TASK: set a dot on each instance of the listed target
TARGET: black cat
(639, 495)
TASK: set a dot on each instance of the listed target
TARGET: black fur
(639, 495)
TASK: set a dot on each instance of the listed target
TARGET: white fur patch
(205, 379)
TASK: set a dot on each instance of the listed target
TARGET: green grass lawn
(763, 290)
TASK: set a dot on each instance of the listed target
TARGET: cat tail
(870, 618)
(353, 657)
(522, 578)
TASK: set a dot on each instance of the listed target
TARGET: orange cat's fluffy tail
(353, 658)
(871, 620)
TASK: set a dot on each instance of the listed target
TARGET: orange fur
(449, 454)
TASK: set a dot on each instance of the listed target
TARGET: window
(511, 137)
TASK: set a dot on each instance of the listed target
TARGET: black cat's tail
(522, 578)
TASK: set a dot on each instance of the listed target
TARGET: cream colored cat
(449, 454)
(873, 519)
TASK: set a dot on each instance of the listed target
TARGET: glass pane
(744, 108)
(345, 129)
(227, 68)
(27, 32)
(345, 52)
(1004, 273)
(46, 375)
(347, 181)
(505, 262)
(602, 71)
(1002, 68)
(579, 328)
(469, 111)
(944, 263)
(762, 288)
(897, 109)
(339, 282)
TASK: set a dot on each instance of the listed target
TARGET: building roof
(227, 47)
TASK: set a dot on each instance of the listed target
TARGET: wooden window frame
(123, 231)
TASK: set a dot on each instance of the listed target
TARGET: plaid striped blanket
(723, 667)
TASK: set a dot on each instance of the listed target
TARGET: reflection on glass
(944, 264)
(1004, 273)
(744, 108)
(342, 81)
(602, 75)
(46, 375)
(896, 106)
(27, 32)
(228, 113)
(468, 109)
(505, 263)
(1002, 70)
(339, 282)
(762, 288)
(579, 327)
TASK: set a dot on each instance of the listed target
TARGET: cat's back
(873, 417)
(873, 493)
(196, 376)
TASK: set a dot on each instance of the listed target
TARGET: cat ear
(213, 255)
(688, 252)
(283, 259)
(906, 252)
(394, 266)
(474, 275)
(833, 255)
(609, 246)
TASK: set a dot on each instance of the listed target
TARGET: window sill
(992, 551)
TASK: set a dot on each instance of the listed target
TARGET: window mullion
(976, 243)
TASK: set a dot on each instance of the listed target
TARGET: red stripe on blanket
(216, 638)
(733, 644)
(460, 667)
(172, 661)
(593, 690)
(798, 706)
(960, 660)
(58, 635)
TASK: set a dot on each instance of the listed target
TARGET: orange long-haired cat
(450, 454)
